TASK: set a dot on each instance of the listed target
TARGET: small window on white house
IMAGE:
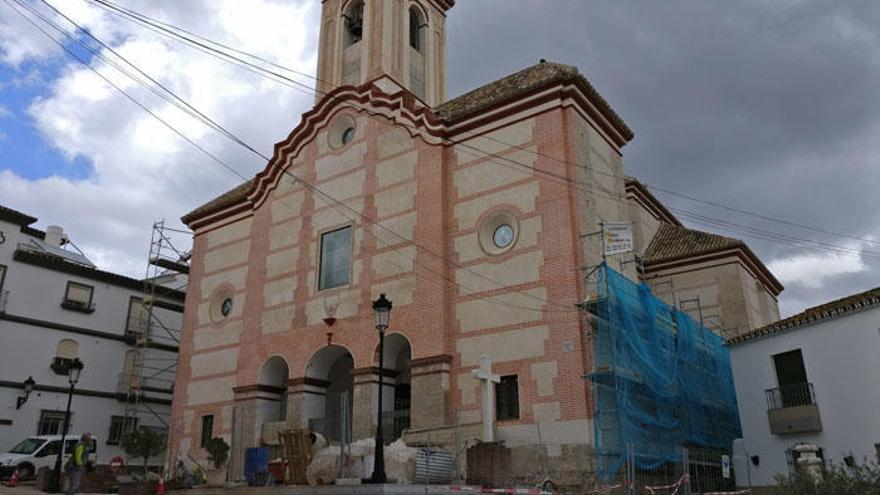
(2, 277)
(65, 353)
(78, 297)
(119, 427)
(51, 422)
(138, 317)
(335, 270)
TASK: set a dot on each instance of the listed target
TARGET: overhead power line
(325, 197)
(174, 31)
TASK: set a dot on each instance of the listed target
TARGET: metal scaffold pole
(153, 332)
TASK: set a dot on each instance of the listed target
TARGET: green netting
(661, 380)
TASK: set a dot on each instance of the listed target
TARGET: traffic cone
(13, 481)
(160, 490)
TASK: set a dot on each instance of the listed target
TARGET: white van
(35, 452)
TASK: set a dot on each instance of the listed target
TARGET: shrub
(838, 479)
(218, 452)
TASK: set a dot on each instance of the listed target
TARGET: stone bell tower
(402, 42)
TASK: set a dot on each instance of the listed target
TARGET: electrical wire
(327, 198)
(170, 29)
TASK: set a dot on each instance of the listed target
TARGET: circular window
(341, 131)
(222, 303)
(347, 135)
(503, 236)
(498, 233)
(226, 307)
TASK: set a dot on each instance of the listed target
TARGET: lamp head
(75, 368)
(382, 312)
(29, 385)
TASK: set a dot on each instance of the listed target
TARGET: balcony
(79, 306)
(792, 409)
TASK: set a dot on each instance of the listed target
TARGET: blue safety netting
(661, 380)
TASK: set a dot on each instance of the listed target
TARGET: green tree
(143, 443)
(837, 479)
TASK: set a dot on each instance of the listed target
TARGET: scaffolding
(662, 382)
(153, 331)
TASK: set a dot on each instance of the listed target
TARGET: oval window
(226, 307)
(347, 135)
(503, 236)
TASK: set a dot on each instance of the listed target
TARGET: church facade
(475, 216)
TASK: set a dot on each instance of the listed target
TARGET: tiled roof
(228, 198)
(16, 217)
(520, 83)
(672, 242)
(822, 312)
(507, 88)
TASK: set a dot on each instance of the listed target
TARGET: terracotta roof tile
(520, 83)
(228, 198)
(673, 242)
(817, 313)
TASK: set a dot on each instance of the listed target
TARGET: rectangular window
(335, 258)
(138, 317)
(78, 297)
(119, 427)
(207, 429)
(51, 422)
(507, 398)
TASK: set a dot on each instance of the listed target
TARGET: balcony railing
(79, 306)
(798, 394)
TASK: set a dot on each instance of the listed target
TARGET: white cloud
(810, 270)
(142, 171)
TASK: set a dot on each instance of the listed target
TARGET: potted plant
(218, 453)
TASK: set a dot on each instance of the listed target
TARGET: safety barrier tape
(674, 487)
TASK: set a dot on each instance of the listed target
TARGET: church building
(475, 216)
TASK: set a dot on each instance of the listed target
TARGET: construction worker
(77, 463)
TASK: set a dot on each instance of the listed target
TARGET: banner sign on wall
(617, 237)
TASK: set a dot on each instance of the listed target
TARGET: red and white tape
(674, 487)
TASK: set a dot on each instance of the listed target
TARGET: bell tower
(398, 43)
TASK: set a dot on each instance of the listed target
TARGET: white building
(813, 378)
(55, 306)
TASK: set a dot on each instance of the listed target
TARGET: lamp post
(28, 388)
(74, 370)
(382, 313)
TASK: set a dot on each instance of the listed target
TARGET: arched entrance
(273, 380)
(397, 395)
(327, 405)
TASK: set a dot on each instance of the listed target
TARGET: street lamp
(28, 388)
(73, 372)
(382, 313)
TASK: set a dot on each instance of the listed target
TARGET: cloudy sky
(767, 106)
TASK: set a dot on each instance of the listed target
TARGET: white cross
(487, 393)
